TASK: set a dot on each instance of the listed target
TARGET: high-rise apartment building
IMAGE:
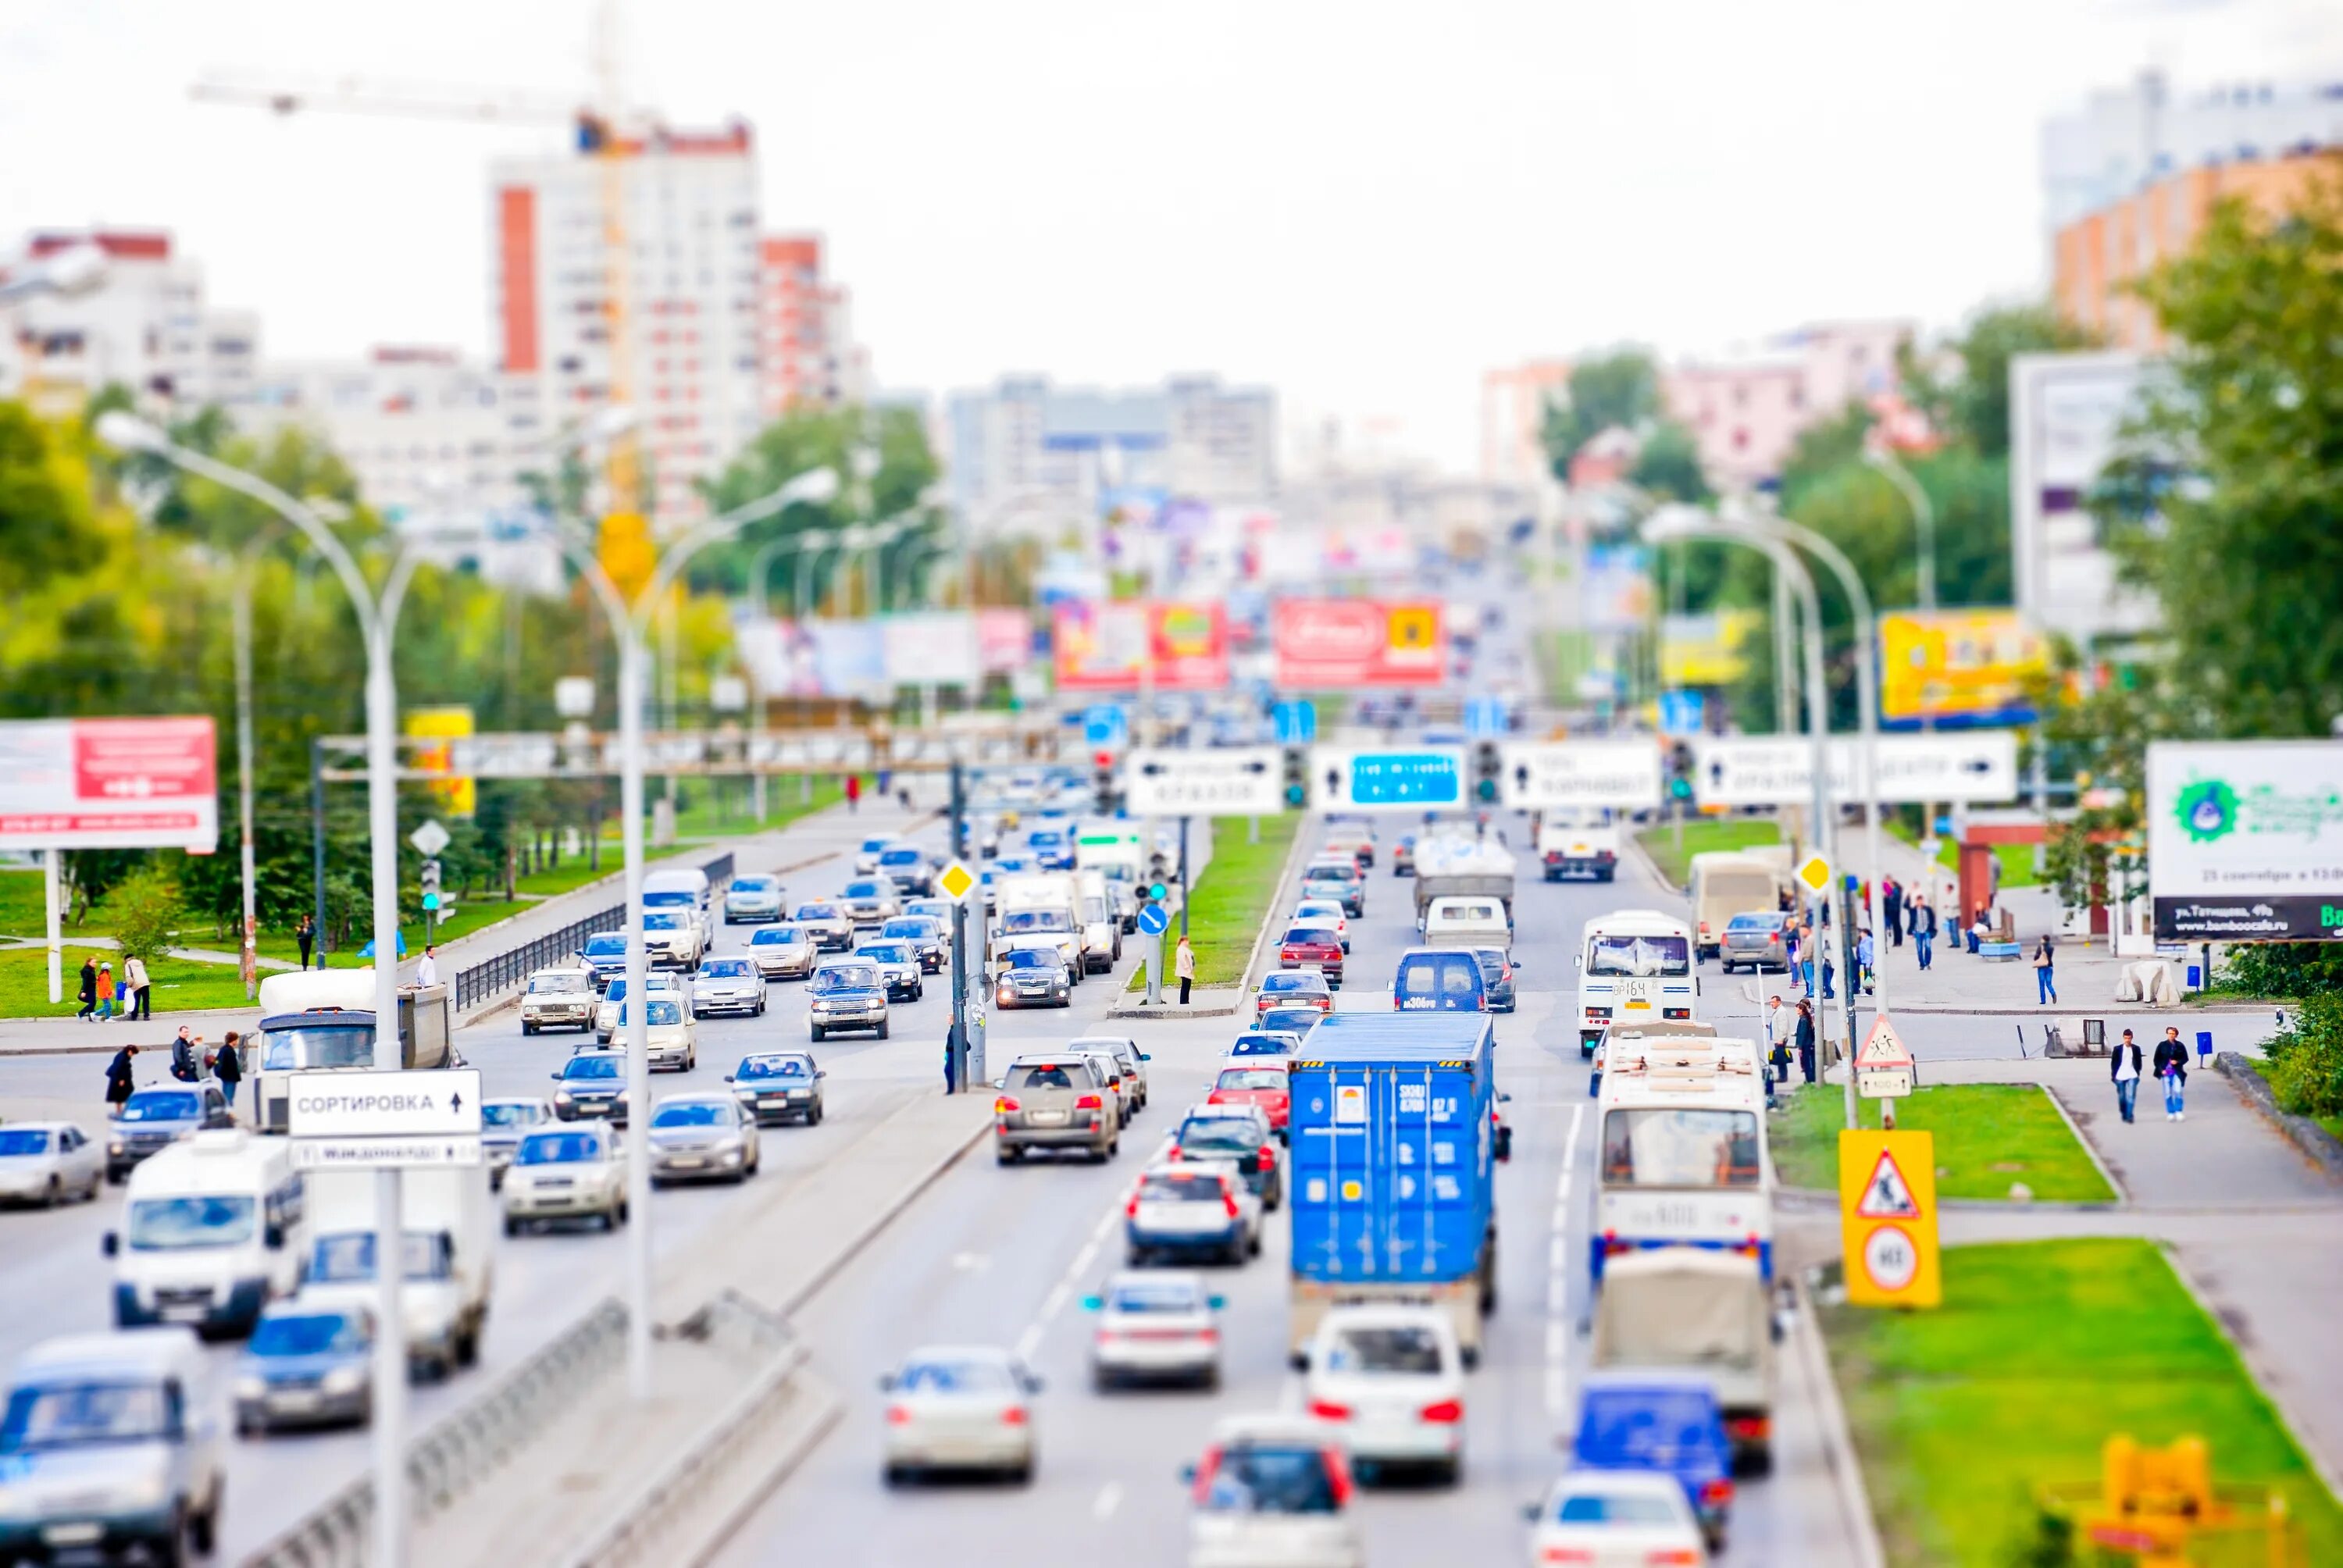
(805, 330)
(143, 325)
(686, 348)
(2124, 139)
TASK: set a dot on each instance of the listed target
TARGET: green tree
(1621, 387)
(1669, 466)
(144, 910)
(1970, 404)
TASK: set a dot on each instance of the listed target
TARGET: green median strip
(2042, 1351)
(1703, 835)
(1231, 898)
(1987, 1137)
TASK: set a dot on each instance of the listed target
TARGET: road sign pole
(957, 1080)
(1183, 880)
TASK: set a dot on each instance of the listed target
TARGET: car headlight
(561, 1097)
(114, 1146)
(251, 1388)
(344, 1380)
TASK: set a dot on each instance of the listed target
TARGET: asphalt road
(1003, 1256)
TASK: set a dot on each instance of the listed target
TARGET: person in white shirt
(427, 968)
(1782, 1029)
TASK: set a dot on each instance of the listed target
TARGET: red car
(1313, 947)
(1265, 1087)
(1292, 988)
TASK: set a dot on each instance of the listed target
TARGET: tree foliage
(1621, 387)
(1669, 466)
(144, 910)
(1970, 404)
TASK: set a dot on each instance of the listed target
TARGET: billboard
(1707, 649)
(930, 648)
(1616, 593)
(1330, 643)
(109, 784)
(850, 656)
(1954, 667)
(455, 794)
(2066, 415)
(1004, 641)
(2245, 841)
(1123, 644)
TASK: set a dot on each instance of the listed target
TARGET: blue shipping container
(1390, 1180)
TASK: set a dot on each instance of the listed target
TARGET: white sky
(1363, 203)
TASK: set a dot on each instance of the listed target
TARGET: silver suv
(1056, 1101)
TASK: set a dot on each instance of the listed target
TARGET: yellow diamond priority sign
(1815, 873)
(956, 880)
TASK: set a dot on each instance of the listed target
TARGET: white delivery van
(682, 886)
(1682, 1158)
(1725, 885)
(449, 1218)
(323, 1019)
(1040, 903)
(214, 1228)
(1466, 922)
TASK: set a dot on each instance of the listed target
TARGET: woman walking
(2171, 1064)
(1806, 1038)
(2044, 977)
(1183, 964)
(88, 992)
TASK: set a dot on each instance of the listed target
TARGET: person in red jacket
(853, 791)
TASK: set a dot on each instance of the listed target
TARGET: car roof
(157, 1350)
(1651, 1483)
(775, 932)
(1645, 1380)
(595, 1054)
(1275, 1426)
(44, 1127)
(1186, 1277)
(691, 1097)
(768, 1055)
(1372, 1314)
(993, 1354)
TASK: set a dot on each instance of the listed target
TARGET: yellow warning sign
(1415, 626)
(1887, 1217)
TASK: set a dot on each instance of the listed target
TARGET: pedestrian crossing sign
(1887, 1217)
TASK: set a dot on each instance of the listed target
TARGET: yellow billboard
(440, 727)
(1957, 666)
(1706, 649)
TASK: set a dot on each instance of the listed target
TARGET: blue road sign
(1297, 722)
(1682, 712)
(1104, 724)
(1484, 715)
(1154, 920)
(1406, 778)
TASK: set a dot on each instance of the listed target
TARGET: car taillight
(1675, 1012)
(1206, 1469)
(1672, 1557)
(1090, 1102)
(1131, 1210)
(1210, 1336)
(1704, 928)
(1718, 1493)
(1566, 1554)
(1228, 1201)
(1747, 1428)
(1327, 1410)
(898, 1416)
(1003, 1106)
(1338, 1475)
(1264, 1158)
(1443, 1410)
(1013, 1416)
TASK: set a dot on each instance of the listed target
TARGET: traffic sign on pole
(1221, 781)
(430, 839)
(956, 880)
(1548, 775)
(1979, 767)
(1884, 1068)
(1154, 921)
(337, 1103)
(1815, 872)
(1296, 723)
(1415, 779)
(1887, 1219)
(1683, 712)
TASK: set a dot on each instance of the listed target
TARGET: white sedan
(960, 1408)
(1392, 1378)
(1603, 1516)
(728, 985)
(1155, 1325)
(46, 1162)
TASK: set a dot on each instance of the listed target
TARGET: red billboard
(108, 784)
(1332, 643)
(1122, 646)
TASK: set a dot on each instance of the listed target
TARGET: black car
(1243, 1141)
(1032, 977)
(779, 1086)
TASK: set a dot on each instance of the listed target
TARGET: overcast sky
(1362, 203)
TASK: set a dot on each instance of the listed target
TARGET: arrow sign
(1221, 781)
(1154, 921)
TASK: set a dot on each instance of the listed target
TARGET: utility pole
(318, 841)
(956, 1079)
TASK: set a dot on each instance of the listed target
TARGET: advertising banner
(454, 793)
(2068, 413)
(850, 656)
(930, 648)
(2245, 841)
(1957, 666)
(777, 655)
(1110, 646)
(1004, 641)
(1327, 643)
(1707, 649)
(1617, 595)
(109, 784)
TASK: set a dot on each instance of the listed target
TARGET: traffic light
(1680, 766)
(1488, 767)
(1297, 776)
(1102, 782)
(430, 884)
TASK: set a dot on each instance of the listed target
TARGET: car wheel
(512, 1226)
(897, 1475)
(1273, 1197)
(1252, 1246)
(818, 1034)
(882, 1032)
(1022, 1475)
(528, 1028)
(53, 1194)
(1006, 1154)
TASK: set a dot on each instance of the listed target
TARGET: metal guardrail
(463, 1449)
(492, 976)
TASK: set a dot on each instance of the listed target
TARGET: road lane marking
(1110, 1498)
(1558, 1273)
(1028, 1343)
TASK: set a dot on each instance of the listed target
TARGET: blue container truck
(1392, 1184)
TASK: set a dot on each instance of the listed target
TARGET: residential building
(1746, 412)
(805, 330)
(688, 357)
(2126, 139)
(1513, 401)
(1023, 440)
(144, 325)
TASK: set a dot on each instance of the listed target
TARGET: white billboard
(1221, 781)
(2066, 415)
(1539, 776)
(109, 784)
(1977, 769)
(2245, 839)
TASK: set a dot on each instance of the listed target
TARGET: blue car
(1663, 1422)
(606, 955)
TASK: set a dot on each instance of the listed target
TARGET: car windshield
(1270, 1479)
(885, 952)
(1252, 1078)
(663, 920)
(773, 1066)
(861, 977)
(71, 1415)
(565, 982)
(910, 931)
(1402, 1349)
(1153, 1296)
(557, 1149)
(1753, 923)
(606, 946)
(1641, 956)
(1219, 1135)
(594, 1067)
(1296, 982)
(1294, 1021)
(1493, 962)
(507, 1113)
(1680, 1147)
(160, 1105)
(1047, 1076)
(318, 1045)
(756, 884)
(727, 969)
(19, 1141)
(817, 912)
(617, 991)
(777, 936)
(656, 1011)
(1045, 920)
(1261, 1045)
(666, 898)
(955, 1377)
(861, 891)
(348, 1257)
(899, 857)
(1616, 1508)
(1309, 937)
(309, 1335)
(1179, 1187)
(1321, 909)
(1029, 958)
(174, 1224)
(693, 1113)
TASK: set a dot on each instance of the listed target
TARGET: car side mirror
(110, 1244)
(1578, 960)
(728, 1078)
(1187, 1475)
(1093, 1304)
(886, 1382)
(555, 1076)
(1216, 1303)
(1533, 1513)
(1502, 1095)
(1033, 1383)
(1144, 1056)
(822, 1072)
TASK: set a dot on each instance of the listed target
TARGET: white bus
(1681, 1160)
(1635, 965)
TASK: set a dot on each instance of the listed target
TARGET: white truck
(1726, 883)
(450, 1218)
(1042, 903)
(1462, 868)
(1579, 842)
(324, 1019)
(1094, 917)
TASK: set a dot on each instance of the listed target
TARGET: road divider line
(1028, 1343)
(1558, 1273)
(1110, 1498)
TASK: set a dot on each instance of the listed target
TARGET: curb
(2089, 1147)
(2259, 1370)
(1245, 982)
(1171, 1011)
(1815, 1198)
(2318, 1145)
(1634, 843)
(1838, 1441)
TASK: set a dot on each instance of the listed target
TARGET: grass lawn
(179, 985)
(2016, 859)
(1231, 898)
(1705, 835)
(1988, 1135)
(2041, 1351)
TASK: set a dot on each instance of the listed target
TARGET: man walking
(1924, 932)
(2171, 1064)
(427, 968)
(135, 987)
(1891, 905)
(119, 1080)
(306, 934)
(1806, 1037)
(183, 1062)
(1781, 1032)
(228, 1067)
(853, 792)
(1183, 965)
(2125, 1068)
(1864, 954)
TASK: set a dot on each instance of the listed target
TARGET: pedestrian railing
(492, 976)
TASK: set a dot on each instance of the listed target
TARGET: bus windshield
(1610, 955)
(1671, 1147)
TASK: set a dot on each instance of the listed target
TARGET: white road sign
(1221, 781)
(383, 1153)
(430, 839)
(1539, 776)
(1979, 767)
(437, 1102)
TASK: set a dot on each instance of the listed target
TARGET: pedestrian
(1828, 971)
(886, 775)
(1924, 931)
(88, 992)
(306, 934)
(1183, 965)
(1806, 1038)
(427, 968)
(1864, 954)
(201, 1060)
(2045, 979)
(2171, 1064)
(1782, 1031)
(1891, 907)
(183, 1055)
(105, 992)
(228, 1067)
(1979, 930)
(853, 791)
(138, 988)
(119, 1080)
(2124, 1069)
